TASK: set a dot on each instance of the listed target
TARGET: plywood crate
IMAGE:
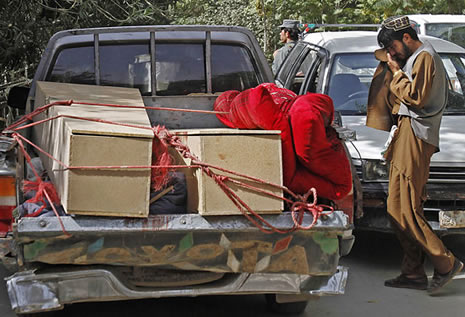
(255, 153)
(99, 192)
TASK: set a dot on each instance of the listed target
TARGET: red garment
(313, 156)
(318, 147)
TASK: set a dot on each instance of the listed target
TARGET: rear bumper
(30, 292)
(441, 197)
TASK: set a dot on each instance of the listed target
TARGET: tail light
(346, 204)
(7, 203)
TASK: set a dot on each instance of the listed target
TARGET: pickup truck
(163, 255)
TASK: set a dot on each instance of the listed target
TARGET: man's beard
(406, 53)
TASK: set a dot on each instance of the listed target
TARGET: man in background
(289, 35)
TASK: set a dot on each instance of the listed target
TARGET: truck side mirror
(17, 97)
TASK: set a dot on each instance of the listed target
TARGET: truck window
(180, 67)
(74, 65)
(125, 66)
(232, 68)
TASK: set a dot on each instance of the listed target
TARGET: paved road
(375, 257)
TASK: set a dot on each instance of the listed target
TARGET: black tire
(284, 308)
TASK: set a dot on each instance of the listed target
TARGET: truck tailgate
(185, 242)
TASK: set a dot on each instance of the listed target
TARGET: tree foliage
(263, 16)
(216, 12)
(26, 25)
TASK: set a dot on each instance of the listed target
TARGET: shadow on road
(212, 306)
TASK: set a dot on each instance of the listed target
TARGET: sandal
(403, 281)
(440, 280)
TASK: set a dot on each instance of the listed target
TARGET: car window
(311, 68)
(454, 32)
(302, 68)
(232, 68)
(315, 85)
(285, 70)
(74, 65)
(350, 80)
(455, 68)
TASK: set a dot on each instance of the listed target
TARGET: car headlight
(375, 170)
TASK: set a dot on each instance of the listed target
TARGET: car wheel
(284, 308)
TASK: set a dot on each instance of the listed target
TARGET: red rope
(19, 138)
(316, 210)
(298, 208)
(80, 118)
(29, 116)
(56, 214)
(148, 107)
(300, 204)
(160, 176)
(41, 188)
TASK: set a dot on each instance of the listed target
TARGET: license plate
(452, 218)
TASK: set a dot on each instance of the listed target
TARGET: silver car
(341, 65)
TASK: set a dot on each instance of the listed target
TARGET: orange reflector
(7, 186)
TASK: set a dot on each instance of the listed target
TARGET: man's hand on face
(393, 65)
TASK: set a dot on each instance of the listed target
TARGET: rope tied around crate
(163, 164)
(300, 204)
(44, 190)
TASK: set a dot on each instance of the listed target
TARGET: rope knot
(161, 158)
(222, 178)
(300, 207)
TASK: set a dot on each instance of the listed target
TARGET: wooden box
(75, 142)
(255, 153)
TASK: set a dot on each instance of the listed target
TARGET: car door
(302, 71)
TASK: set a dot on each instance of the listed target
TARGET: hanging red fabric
(313, 155)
